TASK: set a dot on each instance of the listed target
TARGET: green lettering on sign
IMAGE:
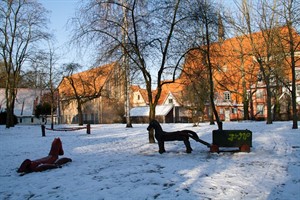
(241, 136)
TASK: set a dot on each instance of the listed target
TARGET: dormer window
(227, 96)
(224, 68)
(170, 101)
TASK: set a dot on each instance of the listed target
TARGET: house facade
(100, 93)
(240, 66)
(26, 101)
(240, 92)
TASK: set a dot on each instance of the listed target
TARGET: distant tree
(155, 39)
(261, 16)
(235, 66)
(3, 116)
(53, 78)
(34, 76)
(289, 13)
(42, 110)
(196, 94)
(22, 24)
(85, 86)
(43, 74)
(70, 69)
(205, 15)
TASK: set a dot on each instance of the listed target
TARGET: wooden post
(43, 130)
(88, 129)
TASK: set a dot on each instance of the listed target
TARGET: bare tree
(34, 75)
(42, 74)
(289, 13)
(22, 25)
(263, 45)
(196, 93)
(126, 65)
(156, 38)
(243, 69)
(205, 16)
(74, 82)
(53, 78)
(88, 85)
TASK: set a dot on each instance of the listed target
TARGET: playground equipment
(231, 138)
(221, 138)
(49, 162)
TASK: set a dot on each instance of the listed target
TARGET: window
(298, 75)
(259, 93)
(260, 109)
(138, 97)
(298, 90)
(221, 111)
(170, 101)
(227, 96)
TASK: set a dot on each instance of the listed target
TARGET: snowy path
(118, 163)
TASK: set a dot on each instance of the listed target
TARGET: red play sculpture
(49, 162)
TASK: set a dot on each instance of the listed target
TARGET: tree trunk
(127, 69)
(10, 99)
(9, 117)
(245, 97)
(151, 117)
(211, 81)
(211, 116)
(246, 108)
(269, 105)
(214, 110)
(294, 102)
(251, 106)
(52, 117)
(127, 96)
(80, 115)
(293, 66)
(52, 106)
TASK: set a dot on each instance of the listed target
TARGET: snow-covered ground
(118, 163)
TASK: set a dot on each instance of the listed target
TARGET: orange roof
(87, 83)
(230, 59)
(234, 59)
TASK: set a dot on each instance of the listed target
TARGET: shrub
(3, 118)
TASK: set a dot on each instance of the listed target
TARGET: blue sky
(60, 13)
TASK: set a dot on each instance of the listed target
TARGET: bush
(42, 109)
(3, 118)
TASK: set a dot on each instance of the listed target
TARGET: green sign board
(232, 138)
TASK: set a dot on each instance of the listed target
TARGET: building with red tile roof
(237, 76)
(101, 91)
(237, 83)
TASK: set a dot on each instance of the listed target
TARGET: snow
(115, 162)
(143, 111)
(25, 100)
